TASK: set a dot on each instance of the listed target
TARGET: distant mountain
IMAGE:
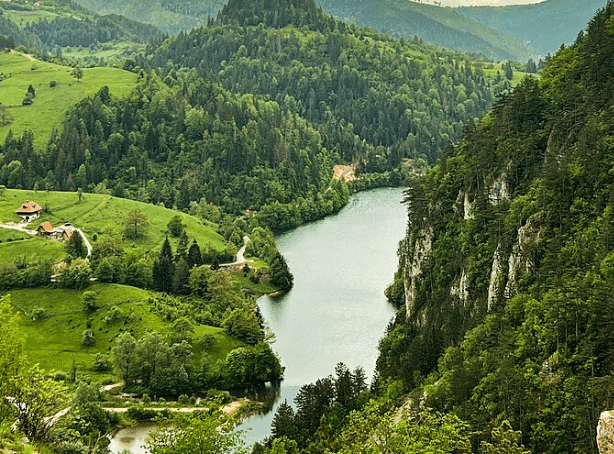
(399, 18)
(442, 26)
(170, 16)
(543, 26)
(65, 23)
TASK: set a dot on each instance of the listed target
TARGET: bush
(139, 413)
(102, 363)
(26, 101)
(52, 83)
(87, 338)
(59, 376)
(38, 314)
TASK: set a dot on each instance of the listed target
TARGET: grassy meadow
(98, 214)
(19, 246)
(50, 103)
(55, 342)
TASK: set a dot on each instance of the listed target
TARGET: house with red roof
(29, 211)
(45, 230)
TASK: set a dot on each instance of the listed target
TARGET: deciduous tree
(135, 225)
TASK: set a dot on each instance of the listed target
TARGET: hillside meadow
(51, 101)
(55, 341)
(97, 214)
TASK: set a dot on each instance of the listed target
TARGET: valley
(166, 184)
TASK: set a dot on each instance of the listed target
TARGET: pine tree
(181, 278)
(283, 422)
(182, 248)
(164, 268)
(194, 255)
(280, 275)
(74, 245)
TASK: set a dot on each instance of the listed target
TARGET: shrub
(59, 376)
(38, 314)
(138, 413)
(102, 363)
(87, 338)
(52, 83)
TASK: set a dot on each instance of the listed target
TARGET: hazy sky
(482, 2)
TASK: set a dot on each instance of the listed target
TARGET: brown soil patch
(346, 172)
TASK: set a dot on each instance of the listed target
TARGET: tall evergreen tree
(280, 275)
(182, 248)
(181, 278)
(164, 268)
(194, 256)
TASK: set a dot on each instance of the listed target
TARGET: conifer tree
(194, 256)
(164, 268)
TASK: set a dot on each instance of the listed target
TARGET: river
(337, 311)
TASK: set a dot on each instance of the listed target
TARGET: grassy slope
(29, 249)
(99, 214)
(55, 343)
(22, 12)
(50, 104)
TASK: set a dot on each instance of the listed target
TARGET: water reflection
(132, 439)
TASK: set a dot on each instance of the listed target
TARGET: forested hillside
(364, 89)
(441, 26)
(62, 23)
(335, 94)
(543, 26)
(171, 16)
(505, 277)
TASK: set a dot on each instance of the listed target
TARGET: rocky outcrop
(520, 260)
(605, 433)
(498, 190)
(495, 283)
(460, 288)
(422, 250)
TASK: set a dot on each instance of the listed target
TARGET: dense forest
(64, 32)
(198, 126)
(64, 23)
(505, 276)
(408, 99)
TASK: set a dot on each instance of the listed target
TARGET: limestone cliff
(605, 433)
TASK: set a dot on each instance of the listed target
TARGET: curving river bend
(337, 311)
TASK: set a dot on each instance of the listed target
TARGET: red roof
(68, 231)
(29, 208)
(45, 227)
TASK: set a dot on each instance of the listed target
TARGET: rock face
(605, 433)
(422, 250)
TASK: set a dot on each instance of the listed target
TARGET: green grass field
(51, 103)
(99, 214)
(112, 53)
(29, 249)
(55, 342)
